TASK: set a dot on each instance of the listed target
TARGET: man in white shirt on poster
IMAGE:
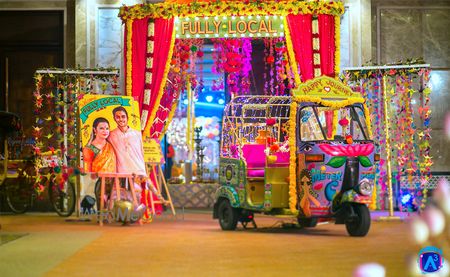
(127, 144)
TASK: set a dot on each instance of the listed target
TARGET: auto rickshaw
(309, 155)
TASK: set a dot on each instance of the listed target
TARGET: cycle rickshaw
(18, 175)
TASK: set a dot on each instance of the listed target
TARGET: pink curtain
(300, 27)
(139, 49)
(163, 39)
(327, 44)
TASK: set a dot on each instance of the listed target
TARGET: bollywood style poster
(111, 142)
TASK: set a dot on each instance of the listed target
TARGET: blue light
(185, 101)
(221, 101)
(406, 198)
(209, 98)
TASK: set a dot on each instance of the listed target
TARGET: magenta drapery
(300, 28)
(139, 49)
(327, 44)
(162, 44)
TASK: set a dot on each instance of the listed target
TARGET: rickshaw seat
(256, 159)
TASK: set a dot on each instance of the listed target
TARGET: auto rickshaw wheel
(359, 225)
(228, 216)
(308, 222)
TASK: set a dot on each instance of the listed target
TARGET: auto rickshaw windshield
(327, 123)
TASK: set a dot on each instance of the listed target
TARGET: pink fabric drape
(327, 44)
(163, 38)
(300, 27)
(139, 49)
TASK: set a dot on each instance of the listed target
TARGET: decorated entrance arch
(310, 30)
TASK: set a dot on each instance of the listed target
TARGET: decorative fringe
(169, 118)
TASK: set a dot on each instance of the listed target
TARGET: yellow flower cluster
(129, 81)
(292, 163)
(221, 8)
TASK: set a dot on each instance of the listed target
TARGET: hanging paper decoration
(55, 131)
(407, 97)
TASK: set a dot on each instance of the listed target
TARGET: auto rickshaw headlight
(364, 187)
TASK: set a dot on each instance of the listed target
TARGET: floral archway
(311, 31)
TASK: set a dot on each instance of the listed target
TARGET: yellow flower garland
(292, 159)
(290, 49)
(129, 81)
(224, 8)
(163, 86)
(337, 40)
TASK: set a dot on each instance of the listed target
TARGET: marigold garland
(217, 8)
(129, 56)
(292, 158)
(337, 41)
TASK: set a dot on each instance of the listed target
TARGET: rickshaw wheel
(228, 216)
(360, 225)
(63, 201)
(308, 222)
(18, 196)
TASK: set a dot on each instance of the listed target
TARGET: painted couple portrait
(114, 151)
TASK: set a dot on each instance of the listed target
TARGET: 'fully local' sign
(229, 27)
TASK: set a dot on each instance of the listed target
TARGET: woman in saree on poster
(99, 154)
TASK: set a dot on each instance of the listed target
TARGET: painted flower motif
(347, 150)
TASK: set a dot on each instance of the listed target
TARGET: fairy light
(242, 18)
(196, 18)
(216, 35)
(226, 35)
(188, 35)
(258, 17)
(216, 17)
(197, 35)
(233, 17)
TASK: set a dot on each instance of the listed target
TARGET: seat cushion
(255, 173)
